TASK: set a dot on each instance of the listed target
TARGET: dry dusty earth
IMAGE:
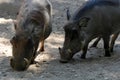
(95, 67)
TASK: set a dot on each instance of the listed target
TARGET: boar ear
(68, 14)
(83, 21)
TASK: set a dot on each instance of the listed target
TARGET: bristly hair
(34, 17)
(33, 20)
(91, 3)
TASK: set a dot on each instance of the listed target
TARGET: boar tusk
(69, 50)
(26, 60)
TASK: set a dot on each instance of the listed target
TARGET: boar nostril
(59, 48)
(19, 66)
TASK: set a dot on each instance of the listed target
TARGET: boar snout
(19, 66)
(65, 55)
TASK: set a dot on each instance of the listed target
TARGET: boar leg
(85, 47)
(41, 46)
(106, 40)
(114, 37)
(35, 52)
(96, 42)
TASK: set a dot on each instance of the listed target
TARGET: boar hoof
(107, 55)
(111, 50)
(33, 61)
(63, 61)
(83, 57)
(41, 50)
(92, 46)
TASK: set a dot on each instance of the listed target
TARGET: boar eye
(74, 34)
(14, 40)
(29, 44)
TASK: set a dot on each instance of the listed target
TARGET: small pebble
(37, 65)
(76, 75)
(28, 75)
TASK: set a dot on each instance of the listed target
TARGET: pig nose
(18, 66)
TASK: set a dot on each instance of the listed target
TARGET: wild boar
(33, 25)
(96, 18)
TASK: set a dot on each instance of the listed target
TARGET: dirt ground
(95, 67)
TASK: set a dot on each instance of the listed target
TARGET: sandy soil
(95, 67)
